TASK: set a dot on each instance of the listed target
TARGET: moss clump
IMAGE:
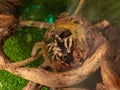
(17, 48)
(9, 81)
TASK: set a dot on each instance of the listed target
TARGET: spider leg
(53, 56)
(57, 57)
(50, 48)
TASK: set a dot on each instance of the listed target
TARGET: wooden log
(72, 77)
(110, 68)
(110, 78)
(8, 19)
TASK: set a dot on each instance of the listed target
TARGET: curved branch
(31, 23)
(54, 79)
(7, 66)
(78, 8)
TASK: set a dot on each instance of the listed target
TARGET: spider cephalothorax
(61, 45)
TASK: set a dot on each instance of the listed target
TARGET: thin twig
(78, 8)
(31, 23)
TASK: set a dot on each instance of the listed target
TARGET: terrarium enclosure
(59, 45)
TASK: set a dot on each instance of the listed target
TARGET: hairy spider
(62, 46)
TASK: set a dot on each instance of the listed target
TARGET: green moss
(18, 48)
(44, 88)
(11, 82)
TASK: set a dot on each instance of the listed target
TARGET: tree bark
(8, 19)
(110, 68)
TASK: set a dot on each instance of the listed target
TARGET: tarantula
(61, 45)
